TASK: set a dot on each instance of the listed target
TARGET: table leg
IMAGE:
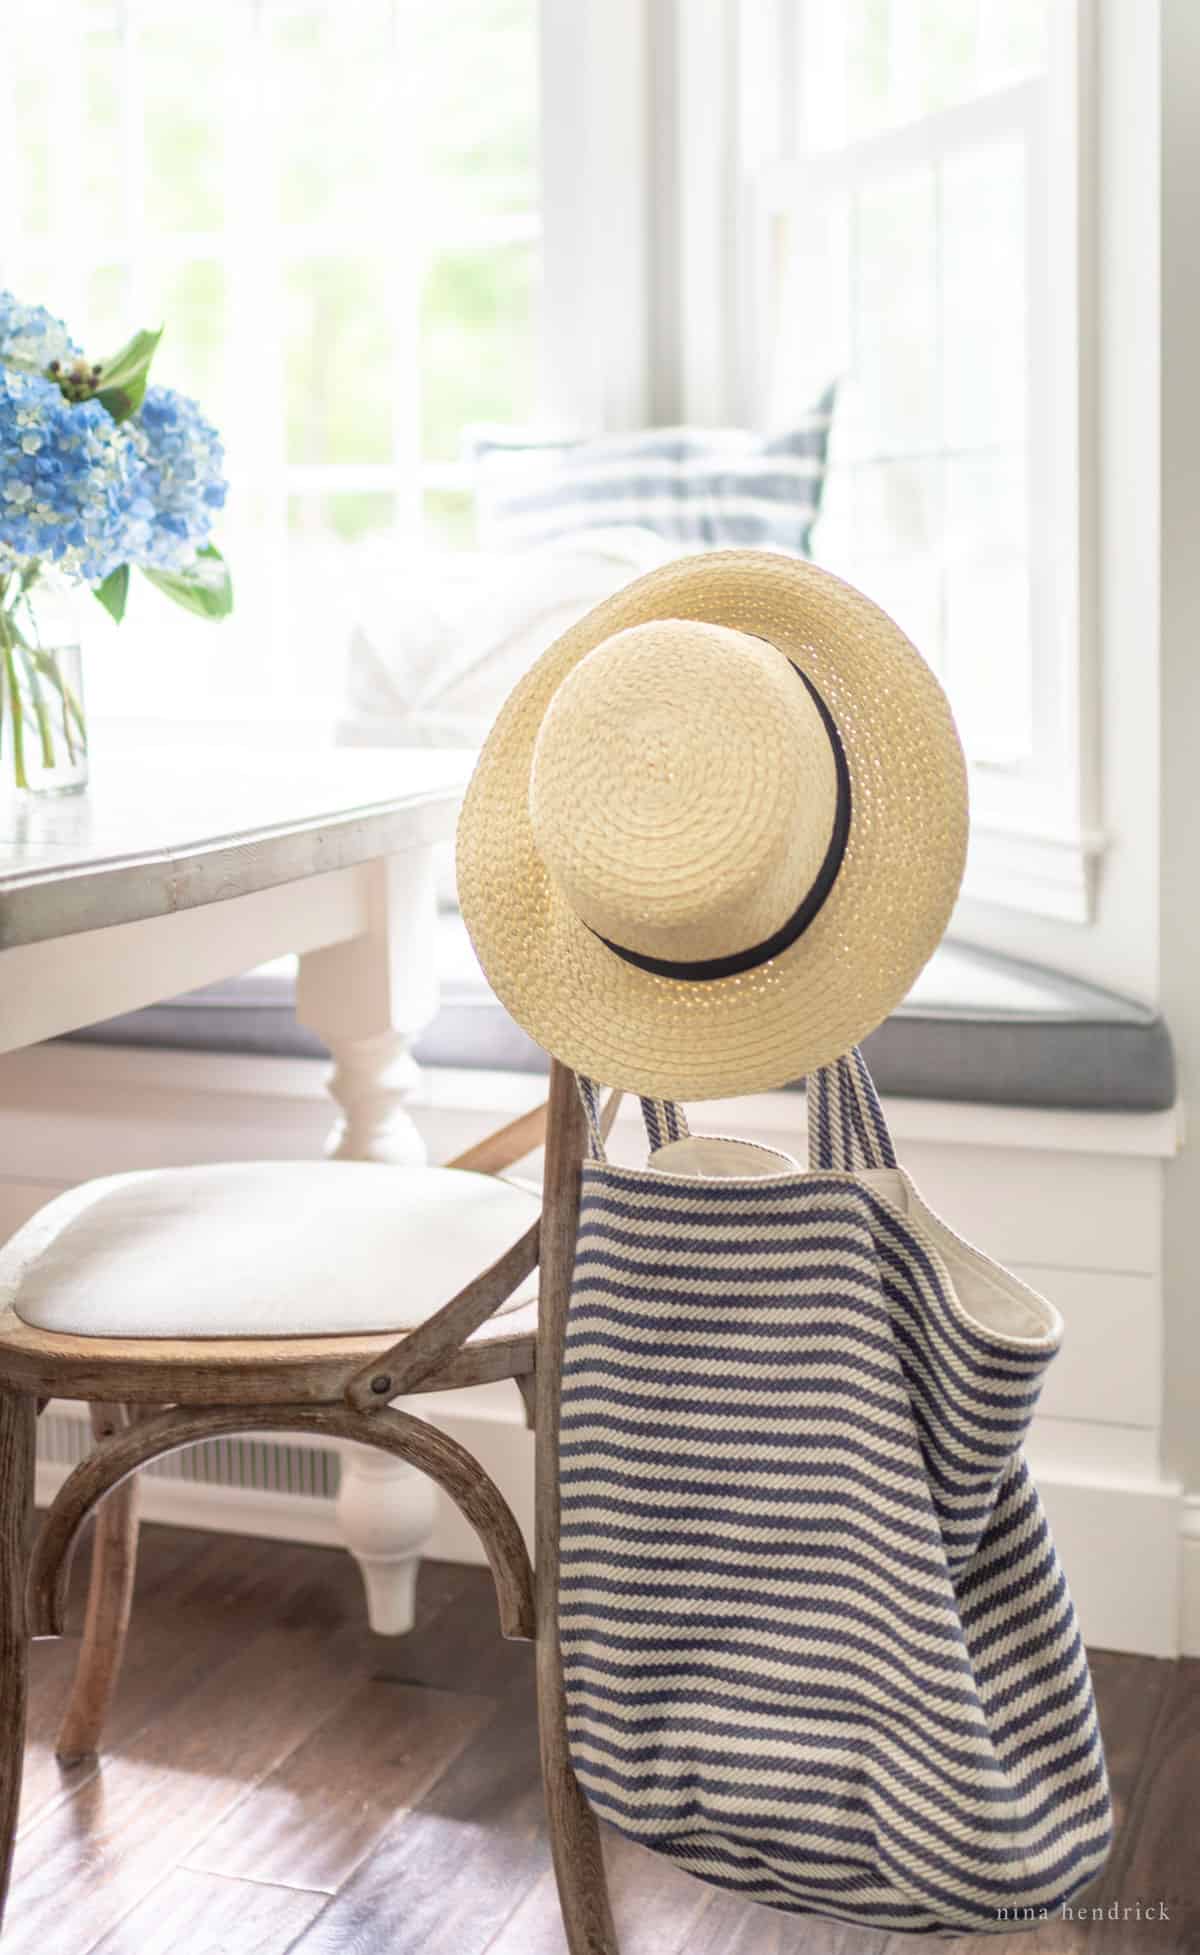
(385, 1515)
(367, 1000)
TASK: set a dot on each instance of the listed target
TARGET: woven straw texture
(817, 1645)
(727, 770)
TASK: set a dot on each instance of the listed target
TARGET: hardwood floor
(280, 1782)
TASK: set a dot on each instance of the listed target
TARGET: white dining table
(178, 867)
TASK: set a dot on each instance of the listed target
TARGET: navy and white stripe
(817, 1645)
(700, 488)
(665, 1122)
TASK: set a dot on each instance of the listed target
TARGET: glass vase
(43, 727)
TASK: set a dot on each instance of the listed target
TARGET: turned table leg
(367, 999)
(385, 1514)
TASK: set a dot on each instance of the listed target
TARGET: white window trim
(597, 213)
(1042, 855)
(1037, 847)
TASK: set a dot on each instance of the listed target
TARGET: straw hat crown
(683, 790)
(716, 830)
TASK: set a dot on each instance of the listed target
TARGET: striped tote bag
(817, 1646)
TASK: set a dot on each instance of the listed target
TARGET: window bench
(977, 1027)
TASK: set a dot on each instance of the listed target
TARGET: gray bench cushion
(975, 1027)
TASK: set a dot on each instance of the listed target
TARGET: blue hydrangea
(70, 478)
(80, 490)
(30, 337)
(182, 483)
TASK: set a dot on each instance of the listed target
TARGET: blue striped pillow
(700, 488)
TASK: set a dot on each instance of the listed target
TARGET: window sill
(1041, 873)
(254, 721)
(61, 1080)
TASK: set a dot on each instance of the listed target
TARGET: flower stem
(47, 665)
(16, 713)
(45, 730)
(19, 649)
(72, 755)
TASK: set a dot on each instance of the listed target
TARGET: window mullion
(406, 266)
(851, 146)
(254, 381)
(12, 238)
(65, 164)
(133, 165)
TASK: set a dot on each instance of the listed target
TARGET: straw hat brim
(885, 915)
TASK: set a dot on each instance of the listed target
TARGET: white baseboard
(1121, 1549)
(220, 1510)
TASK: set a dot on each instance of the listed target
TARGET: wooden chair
(151, 1395)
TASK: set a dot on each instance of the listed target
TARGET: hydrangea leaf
(123, 378)
(204, 587)
(113, 592)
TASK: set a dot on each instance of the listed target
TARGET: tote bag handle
(847, 1131)
(846, 1127)
(664, 1120)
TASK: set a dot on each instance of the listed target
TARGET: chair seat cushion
(261, 1249)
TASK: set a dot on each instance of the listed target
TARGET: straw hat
(716, 831)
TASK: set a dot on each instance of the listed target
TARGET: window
(334, 206)
(909, 235)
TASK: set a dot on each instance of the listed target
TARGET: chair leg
(574, 1834)
(18, 1429)
(110, 1597)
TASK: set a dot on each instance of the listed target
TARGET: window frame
(1037, 841)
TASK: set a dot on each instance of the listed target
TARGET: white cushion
(439, 642)
(261, 1249)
